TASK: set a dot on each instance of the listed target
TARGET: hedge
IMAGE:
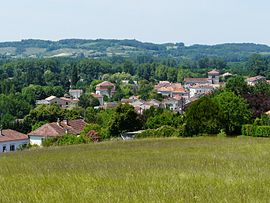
(163, 131)
(256, 131)
(247, 130)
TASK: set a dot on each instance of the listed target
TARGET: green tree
(203, 116)
(235, 111)
(238, 85)
(126, 119)
(87, 100)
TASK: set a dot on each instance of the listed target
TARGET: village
(175, 96)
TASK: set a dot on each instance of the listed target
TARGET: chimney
(58, 121)
(65, 121)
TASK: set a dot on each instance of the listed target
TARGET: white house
(198, 90)
(56, 129)
(63, 102)
(11, 140)
(105, 89)
(75, 94)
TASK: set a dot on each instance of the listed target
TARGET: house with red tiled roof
(254, 80)
(213, 78)
(56, 129)
(11, 140)
(171, 89)
(105, 89)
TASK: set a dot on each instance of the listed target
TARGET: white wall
(17, 144)
(35, 140)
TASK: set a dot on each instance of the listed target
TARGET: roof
(69, 100)
(213, 72)
(96, 95)
(76, 90)
(256, 78)
(50, 98)
(196, 80)
(57, 129)
(178, 97)
(170, 87)
(12, 135)
(201, 87)
(105, 84)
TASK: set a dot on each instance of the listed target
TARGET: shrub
(247, 130)
(222, 133)
(47, 142)
(65, 140)
(262, 131)
(256, 131)
(163, 131)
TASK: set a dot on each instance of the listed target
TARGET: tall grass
(157, 170)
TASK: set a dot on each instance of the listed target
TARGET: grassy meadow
(155, 170)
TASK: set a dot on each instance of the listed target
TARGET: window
(4, 148)
(12, 148)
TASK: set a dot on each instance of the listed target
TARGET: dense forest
(100, 48)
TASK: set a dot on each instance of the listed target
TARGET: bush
(247, 130)
(256, 131)
(222, 133)
(163, 131)
(262, 131)
(65, 140)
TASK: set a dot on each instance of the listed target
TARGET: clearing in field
(157, 170)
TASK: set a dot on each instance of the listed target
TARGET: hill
(102, 48)
(158, 170)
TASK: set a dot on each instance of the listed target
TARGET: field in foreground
(162, 170)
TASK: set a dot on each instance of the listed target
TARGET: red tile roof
(96, 95)
(198, 86)
(256, 78)
(170, 87)
(12, 135)
(196, 80)
(213, 72)
(57, 129)
(105, 85)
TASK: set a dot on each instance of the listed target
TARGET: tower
(213, 76)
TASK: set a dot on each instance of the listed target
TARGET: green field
(158, 170)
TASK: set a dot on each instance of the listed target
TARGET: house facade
(165, 88)
(198, 90)
(254, 80)
(63, 102)
(56, 129)
(105, 89)
(11, 140)
(212, 79)
(75, 94)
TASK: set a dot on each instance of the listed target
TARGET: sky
(158, 21)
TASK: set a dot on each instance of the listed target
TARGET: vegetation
(160, 170)
(100, 48)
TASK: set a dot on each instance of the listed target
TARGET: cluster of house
(11, 140)
(176, 95)
(69, 101)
